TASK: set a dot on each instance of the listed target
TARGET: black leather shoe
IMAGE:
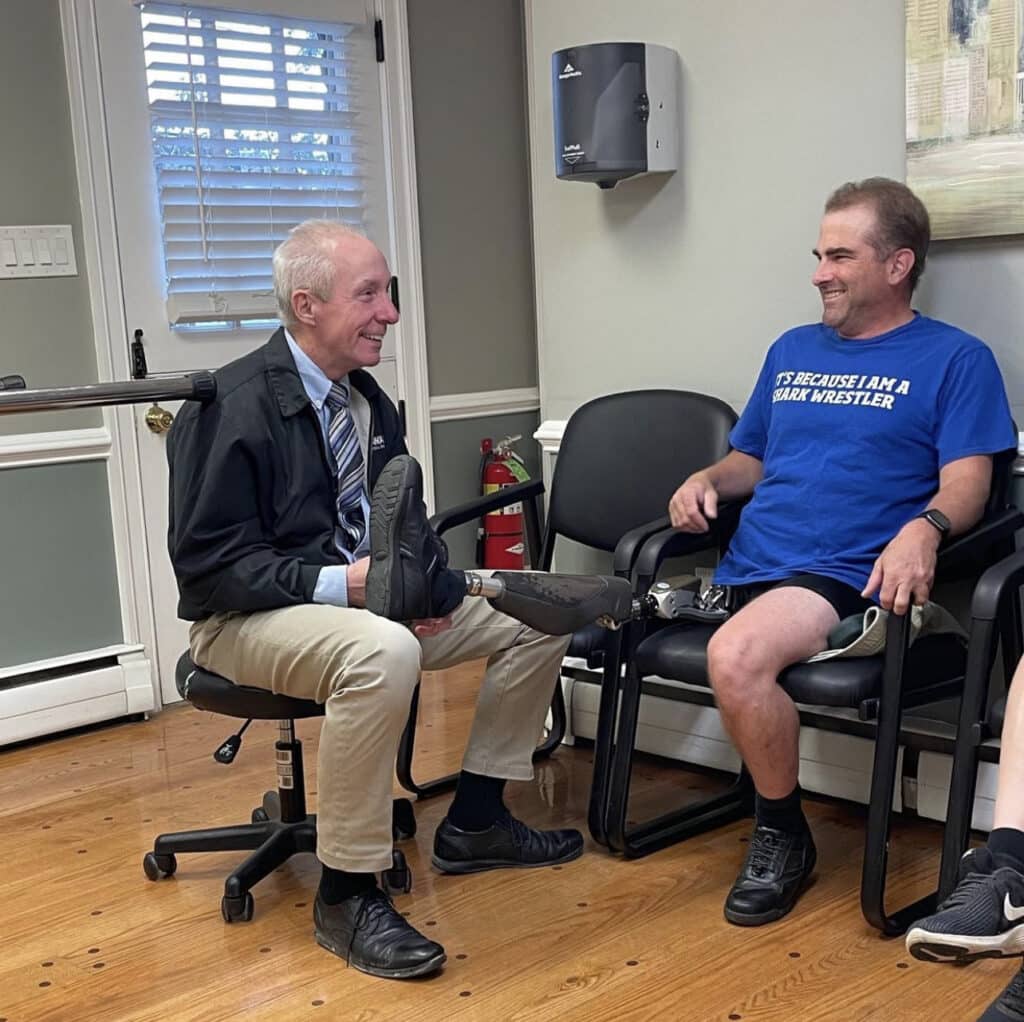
(777, 867)
(508, 843)
(373, 937)
(409, 578)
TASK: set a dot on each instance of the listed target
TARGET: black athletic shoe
(373, 937)
(975, 860)
(409, 578)
(776, 869)
(982, 918)
(508, 843)
(1009, 1005)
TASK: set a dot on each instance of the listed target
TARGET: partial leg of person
(1009, 1005)
(984, 916)
(745, 657)
(523, 667)
(363, 669)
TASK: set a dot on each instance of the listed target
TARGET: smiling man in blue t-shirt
(868, 438)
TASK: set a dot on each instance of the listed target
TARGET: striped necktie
(348, 463)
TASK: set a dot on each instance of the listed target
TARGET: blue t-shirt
(852, 435)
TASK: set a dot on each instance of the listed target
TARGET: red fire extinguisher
(501, 535)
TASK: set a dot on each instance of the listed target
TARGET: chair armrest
(672, 543)
(966, 550)
(479, 506)
(629, 546)
(1002, 579)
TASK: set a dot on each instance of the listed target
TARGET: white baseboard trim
(23, 450)
(447, 407)
(45, 707)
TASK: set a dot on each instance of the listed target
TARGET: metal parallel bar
(200, 387)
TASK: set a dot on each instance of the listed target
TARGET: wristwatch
(938, 519)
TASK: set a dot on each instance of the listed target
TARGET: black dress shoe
(507, 843)
(408, 578)
(373, 937)
(777, 867)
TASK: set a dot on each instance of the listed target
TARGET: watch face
(938, 519)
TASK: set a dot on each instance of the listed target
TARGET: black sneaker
(508, 843)
(409, 578)
(373, 937)
(1009, 1005)
(975, 860)
(776, 869)
(982, 918)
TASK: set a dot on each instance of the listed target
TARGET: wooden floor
(87, 937)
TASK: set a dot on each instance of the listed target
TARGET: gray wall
(59, 592)
(59, 589)
(685, 280)
(472, 176)
(46, 326)
(457, 468)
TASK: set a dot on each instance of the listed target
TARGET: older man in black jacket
(269, 540)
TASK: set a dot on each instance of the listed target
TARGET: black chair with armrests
(281, 826)
(879, 688)
(996, 622)
(621, 458)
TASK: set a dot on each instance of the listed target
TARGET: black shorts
(844, 598)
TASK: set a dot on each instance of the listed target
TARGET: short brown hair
(901, 216)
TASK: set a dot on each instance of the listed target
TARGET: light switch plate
(35, 248)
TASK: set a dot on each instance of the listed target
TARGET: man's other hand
(905, 569)
(693, 504)
(427, 627)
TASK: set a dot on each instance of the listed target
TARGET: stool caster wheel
(156, 866)
(398, 879)
(272, 806)
(260, 815)
(237, 910)
(403, 819)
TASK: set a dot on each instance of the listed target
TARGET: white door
(228, 122)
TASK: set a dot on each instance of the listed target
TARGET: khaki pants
(364, 668)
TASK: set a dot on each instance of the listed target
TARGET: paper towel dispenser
(616, 111)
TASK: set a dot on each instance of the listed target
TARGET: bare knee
(735, 668)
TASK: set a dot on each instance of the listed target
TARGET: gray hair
(304, 260)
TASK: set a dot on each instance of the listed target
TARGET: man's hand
(693, 504)
(427, 627)
(905, 569)
(355, 576)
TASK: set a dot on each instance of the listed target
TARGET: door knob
(158, 419)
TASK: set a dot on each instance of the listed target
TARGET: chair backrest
(1002, 479)
(623, 456)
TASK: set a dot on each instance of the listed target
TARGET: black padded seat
(679, 653)
(208, 691)
(589, 643)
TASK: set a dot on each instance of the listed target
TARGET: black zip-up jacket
(252, 492)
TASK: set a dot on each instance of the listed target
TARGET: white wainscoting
(24, 450)
(484, 403)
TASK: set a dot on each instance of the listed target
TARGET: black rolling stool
(280, 827)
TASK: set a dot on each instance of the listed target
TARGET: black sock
(781, 813)
(337, 884)
(478, 802)
(1007, 847)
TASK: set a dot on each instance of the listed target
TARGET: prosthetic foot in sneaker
(408, 578)
(776, 870)
(982, 918)
(373, 937)
(506, 844)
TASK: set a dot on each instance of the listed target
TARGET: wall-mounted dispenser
(616, 111)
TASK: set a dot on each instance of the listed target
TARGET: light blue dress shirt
(332, 582)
